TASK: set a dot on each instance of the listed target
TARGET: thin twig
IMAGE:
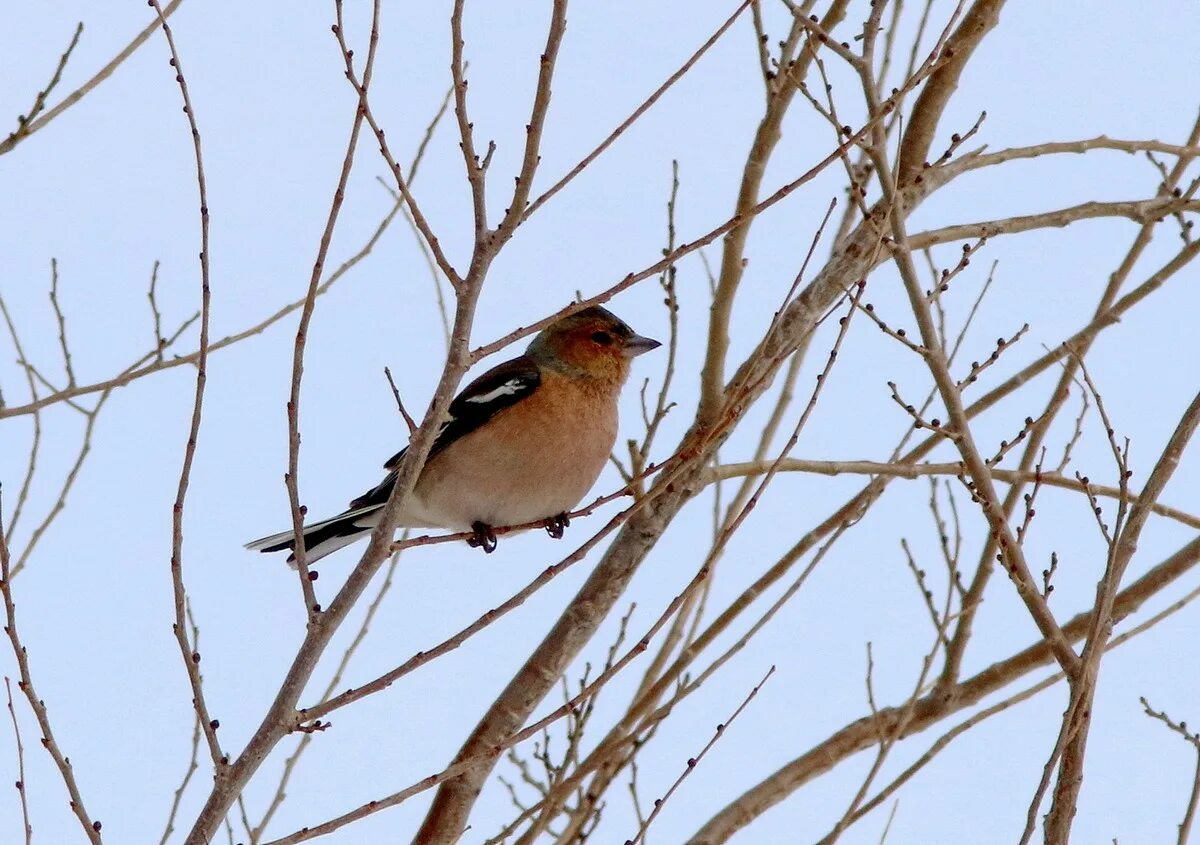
(152, 362)
(193, 759)
(516, 738)
(977, 718)
(694, 761)
(289, 765)
(62, 321)
(637, 113)
(152, 295)
(85, 448)
(36, 442)
(83, 90)
(191, 657)
(687, 248)
(1193, 739)
(419, 659)
(408, 420)
(25, 121)
(402, 183)
(90, 828)
(293, 406)
(20, 763)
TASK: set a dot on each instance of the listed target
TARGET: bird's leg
(556, 524)
(482, 537)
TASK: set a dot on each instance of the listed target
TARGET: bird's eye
(602, 338)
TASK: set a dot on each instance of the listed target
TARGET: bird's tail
(322, 538)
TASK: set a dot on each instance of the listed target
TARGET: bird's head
(593, 342)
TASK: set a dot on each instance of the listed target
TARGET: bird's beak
(637, 344)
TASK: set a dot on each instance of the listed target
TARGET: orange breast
(534, 460)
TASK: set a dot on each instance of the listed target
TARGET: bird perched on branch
(524, 442)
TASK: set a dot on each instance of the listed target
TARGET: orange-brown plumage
(526, 440)
(533, 460)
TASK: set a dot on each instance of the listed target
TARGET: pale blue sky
(108, 189)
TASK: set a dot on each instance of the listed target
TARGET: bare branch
(931, 103)
(694, 761)
(766, 138)
(62, 322)
(335, 681)
(79, 93)
(976, 161)
(293, 406)
(906, 470)
(862, 733)
(24, 122)
(1189, 815)
(85, 448)
(465, 762)
(1140, 211)
(193, 760)
(191, 657)
(1005, 704)
(637, 113)
(36, 442)
(20, 763)
(1077, 722)
(91, 828)
(408, 420)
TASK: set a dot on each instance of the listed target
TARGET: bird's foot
(482, 537)
(556, 525)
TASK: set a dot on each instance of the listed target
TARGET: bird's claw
(556, 524)
(483, 537)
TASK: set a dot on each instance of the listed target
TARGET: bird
(524, 442)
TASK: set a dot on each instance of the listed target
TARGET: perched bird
(525, 441)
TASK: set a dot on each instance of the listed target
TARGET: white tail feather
(330, 546)
(364, 518)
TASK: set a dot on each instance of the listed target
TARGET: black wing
(500, 387)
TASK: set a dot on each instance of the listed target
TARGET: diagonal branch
(1083, 685)
(90, 828)
(864, 732)
(635, 115)
(927, 112)
(83, 90)
(306, 312)
(24, 121)
(733, 246)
